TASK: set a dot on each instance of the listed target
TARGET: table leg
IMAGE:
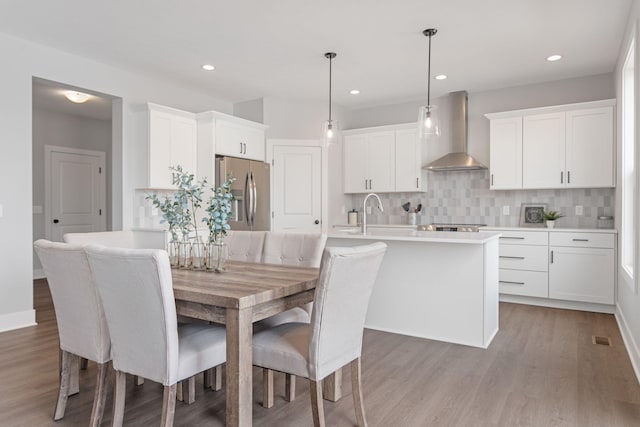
(239, 367)
(332, 386)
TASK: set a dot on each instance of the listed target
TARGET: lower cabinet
(580, 270)
(570, 266)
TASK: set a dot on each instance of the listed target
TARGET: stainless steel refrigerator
(251, 209)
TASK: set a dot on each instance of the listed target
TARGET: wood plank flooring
(541, 370)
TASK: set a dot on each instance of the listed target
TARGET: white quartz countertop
(413, 235)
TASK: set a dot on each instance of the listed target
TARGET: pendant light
(428, 125)
(330, 127)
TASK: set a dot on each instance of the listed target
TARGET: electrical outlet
(368, 210)
(505, 210)
(154, 212)
(344, 210)
(1, 211)
(579, 210)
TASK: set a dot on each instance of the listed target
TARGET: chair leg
(139, 381)
(191, 390)
(267, 388)
(217, 380)
(290, 387)
(65, 378)
(168, 405)
(74, 380)
(84, 363)
(180, 391)
(356, 388)
(317, 406)
(118, 398)
(100, 395)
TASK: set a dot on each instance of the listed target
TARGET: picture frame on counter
(531, 214)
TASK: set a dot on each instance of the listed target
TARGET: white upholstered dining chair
(82, 327)
(333, 339)
(245, 245)
(115, 239)
(136, 291)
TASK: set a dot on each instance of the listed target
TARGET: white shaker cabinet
(523, 263)
(239, 140)
(369, 162)
(563, 146)
(172, 141)
(582, 267)
(506, 153)
(383, 159)
(543, 150)
(408, 161)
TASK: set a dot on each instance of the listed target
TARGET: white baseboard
(20, 319)
(38, 273)
(629, 342)
(556, 303)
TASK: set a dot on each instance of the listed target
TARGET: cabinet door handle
(511, 283)
(561, 177)
(551, 257)
(580, 240)
(241, 148)
(512, 238)
(511, 257)
(366, 185)
(417, 182)
(568, 177)
(491, 179)
(370, 185)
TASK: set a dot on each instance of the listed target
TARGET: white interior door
(75, 197)
(297, 188)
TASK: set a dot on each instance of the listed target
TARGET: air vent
(601, 340)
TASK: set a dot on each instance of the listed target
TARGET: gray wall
(65, 130)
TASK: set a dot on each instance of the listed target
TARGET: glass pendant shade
(428, 123)
(330, 131)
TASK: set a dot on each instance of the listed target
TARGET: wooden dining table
(243, 294)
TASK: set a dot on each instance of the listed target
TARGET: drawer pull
(511, 257)
(512, 238)
(511, 283)
(580, 240)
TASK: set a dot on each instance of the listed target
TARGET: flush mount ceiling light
(77, 97)
(554, 57)
(208, 67)
(440, 77)
(330, 126)
(428, 125)
(354, 92)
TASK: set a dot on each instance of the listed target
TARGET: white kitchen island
(433, 284)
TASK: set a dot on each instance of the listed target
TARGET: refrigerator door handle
(254, 199)
(247, 200)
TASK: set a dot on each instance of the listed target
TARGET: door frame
(294, 142)
(48, 150)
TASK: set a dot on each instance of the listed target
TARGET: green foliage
(551, 215)
(219, 209)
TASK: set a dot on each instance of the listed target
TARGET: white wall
(628, 301)
(65, 130)
(480, 103)
(22, 61)
(251, 110)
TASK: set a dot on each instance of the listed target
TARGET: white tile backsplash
(464, 197)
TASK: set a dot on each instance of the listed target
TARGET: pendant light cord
(330, 61)
(429, 75)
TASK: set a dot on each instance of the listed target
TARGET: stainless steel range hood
(459, 160)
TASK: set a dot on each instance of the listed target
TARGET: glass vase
(217, 255)
(184, 254)
(198, 254)
(173, 249)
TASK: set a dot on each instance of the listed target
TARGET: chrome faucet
(364, 210)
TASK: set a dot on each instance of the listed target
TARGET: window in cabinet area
(629, 181)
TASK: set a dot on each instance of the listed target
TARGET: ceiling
(276, 48)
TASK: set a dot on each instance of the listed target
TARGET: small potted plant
(550, 218)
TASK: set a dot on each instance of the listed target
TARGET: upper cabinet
(382, 159)
(567, 146)
(238, 139)
(172, 141)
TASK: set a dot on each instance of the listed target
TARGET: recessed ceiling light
(354, 92)
(208, 67)
(554, 57)
(77, 97)
(440, 77)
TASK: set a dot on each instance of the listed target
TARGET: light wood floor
(541, 370)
